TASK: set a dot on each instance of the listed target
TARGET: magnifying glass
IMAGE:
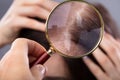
(74, 29)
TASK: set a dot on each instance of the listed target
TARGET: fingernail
(85, 57)
(41, 69)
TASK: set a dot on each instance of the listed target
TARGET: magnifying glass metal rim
(53, 49)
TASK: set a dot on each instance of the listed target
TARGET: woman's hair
(84, 25)
(110, 25)
(37, 36)
(77, 67)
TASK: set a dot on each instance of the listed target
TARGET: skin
(18, 17)
(16, 61)
(108, 60)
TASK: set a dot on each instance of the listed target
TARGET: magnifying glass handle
(41, 60)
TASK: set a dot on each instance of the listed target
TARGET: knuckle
(95, 70)
(38, 1)
(29, 23)
(113, 50)
(35, 9)
(18, 2)
(10, 18)
(98, 73)
(19, 40)
(104, 61)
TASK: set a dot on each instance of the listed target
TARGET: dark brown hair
(77, 67)
(110, 25)
(84, 25)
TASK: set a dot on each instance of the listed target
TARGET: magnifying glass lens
(74, 28)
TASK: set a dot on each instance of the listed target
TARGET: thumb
(38, 71)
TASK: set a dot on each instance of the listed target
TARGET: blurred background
(113, 7)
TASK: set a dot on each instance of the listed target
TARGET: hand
(15, 64)
(108, 56)
(21, 14)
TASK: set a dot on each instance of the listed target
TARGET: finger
(33, 48)
(114, 42)
(47, 4)
(38, 72)
(34, 11)
(95, 69)
(21, 48)
(16, 56)
(22, 22)
(110, 46)
(118, 42)
(116, 50)
(106, 64)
